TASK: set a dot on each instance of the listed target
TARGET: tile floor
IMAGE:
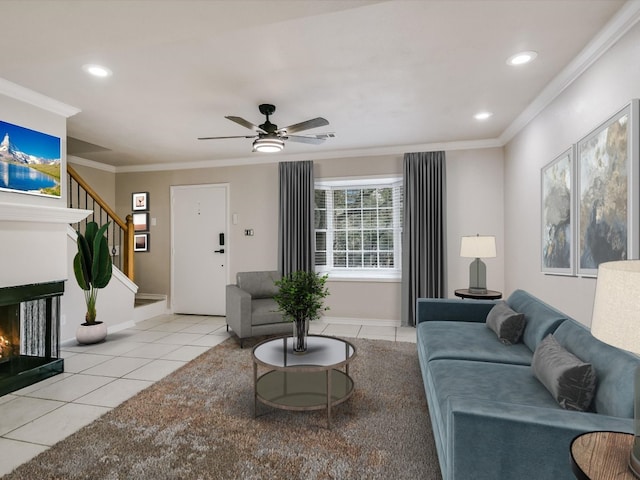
(99, 377)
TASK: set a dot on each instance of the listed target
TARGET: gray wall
(475, 205)
(607, 86)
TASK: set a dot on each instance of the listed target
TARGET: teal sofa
(492, 419)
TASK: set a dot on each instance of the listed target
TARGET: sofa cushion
(570, 381)
(265, 311)
(258, 284)
(505, 323)
(541, 319)
(503, 383)
(615, 368)
(467, 341)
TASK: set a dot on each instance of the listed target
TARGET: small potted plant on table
(300, 299)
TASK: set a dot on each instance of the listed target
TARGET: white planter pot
(88, 334)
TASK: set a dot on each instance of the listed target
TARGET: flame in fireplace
(5, 346)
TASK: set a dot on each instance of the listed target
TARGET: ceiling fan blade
(219, 138)
(245, 123)
(298, 127)
(303, 139)
(325, 135)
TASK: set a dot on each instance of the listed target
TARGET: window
(358, 226)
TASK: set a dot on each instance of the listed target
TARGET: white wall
(29, 116)
(475, 204)
(114, 305)
(26, 247)
(30, 253)
(602, 90)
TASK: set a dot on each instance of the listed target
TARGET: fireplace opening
(9, 333)
(29, 334)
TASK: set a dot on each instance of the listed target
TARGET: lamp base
(477, 276)
(477, 290)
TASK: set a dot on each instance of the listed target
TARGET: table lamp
(616, 321)
(478, 246)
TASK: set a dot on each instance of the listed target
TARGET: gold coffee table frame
(303, 382)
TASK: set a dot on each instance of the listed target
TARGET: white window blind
(358, 227)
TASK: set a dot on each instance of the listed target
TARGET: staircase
(123, 306)
(120, 232)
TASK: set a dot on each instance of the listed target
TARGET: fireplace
(29, 334)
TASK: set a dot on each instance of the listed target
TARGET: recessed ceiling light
(521, 58)
(482, 115)
(97, 70)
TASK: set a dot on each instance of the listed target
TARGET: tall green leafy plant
(92, 265)
(301, 295)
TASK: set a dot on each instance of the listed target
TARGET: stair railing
(120, 232)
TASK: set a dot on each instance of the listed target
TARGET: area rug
(198, 423)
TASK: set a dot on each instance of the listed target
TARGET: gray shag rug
(198, 423)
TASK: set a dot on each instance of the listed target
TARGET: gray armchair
(251, 309)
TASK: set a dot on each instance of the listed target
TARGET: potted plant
(92, 267)
(300, 299)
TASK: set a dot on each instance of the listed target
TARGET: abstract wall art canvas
(608, 192)
(557, 215)
(29, 161)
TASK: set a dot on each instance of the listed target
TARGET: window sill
(362, 277)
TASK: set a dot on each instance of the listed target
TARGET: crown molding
(261, 159)
(23, 94)
(620, 23)
(91, 164)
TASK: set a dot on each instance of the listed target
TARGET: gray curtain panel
(424, 239)
(296, 222)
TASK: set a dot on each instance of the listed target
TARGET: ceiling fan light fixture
(268, 145)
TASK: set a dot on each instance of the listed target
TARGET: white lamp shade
(478, 246)
(616, 308)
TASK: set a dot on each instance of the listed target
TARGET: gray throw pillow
(507, 324)
(569, 380)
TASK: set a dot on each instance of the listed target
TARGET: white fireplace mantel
(15, 212)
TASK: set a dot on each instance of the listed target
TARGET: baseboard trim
(374, 322)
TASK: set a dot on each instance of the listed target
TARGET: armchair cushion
(258, 284)
(265, 311)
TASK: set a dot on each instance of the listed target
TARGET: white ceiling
(386, 74)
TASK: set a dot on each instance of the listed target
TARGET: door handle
(219, 251)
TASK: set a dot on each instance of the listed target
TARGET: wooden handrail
(125, 225)
(98, 199)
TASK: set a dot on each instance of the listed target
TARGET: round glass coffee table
(315, 380)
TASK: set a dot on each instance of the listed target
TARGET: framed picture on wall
(557, 212)
(141, 222)
(29, 161)
(607, 188)
(140, 201)
(141, 242)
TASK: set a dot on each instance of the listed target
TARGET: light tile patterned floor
(99, 377)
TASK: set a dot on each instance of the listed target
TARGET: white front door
(199, 249)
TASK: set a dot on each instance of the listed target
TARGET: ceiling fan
(269, 138)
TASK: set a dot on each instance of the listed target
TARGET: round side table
(466, 293)
(602, 456)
